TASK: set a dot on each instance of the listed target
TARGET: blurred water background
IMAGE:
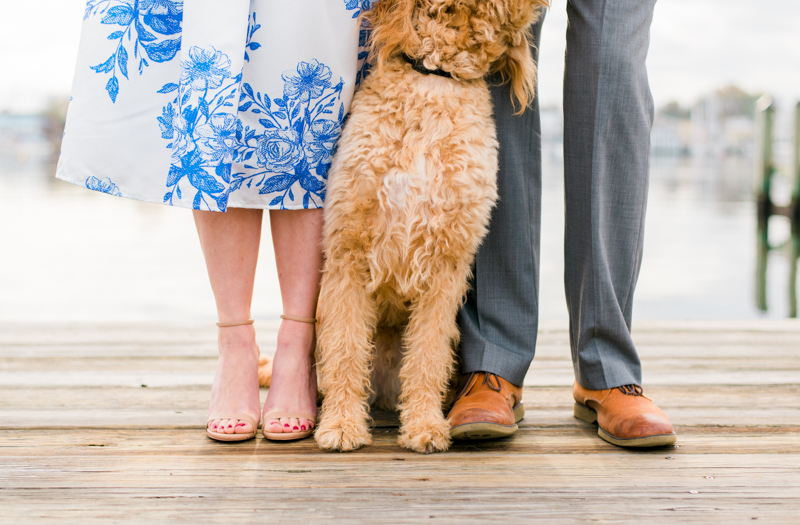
(69, 254)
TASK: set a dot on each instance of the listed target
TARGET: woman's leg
(230, 243)
(297, 239)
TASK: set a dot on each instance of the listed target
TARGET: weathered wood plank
(744, 333)
(186, 407)
(163, 372)
(258, 504)
(576, 439)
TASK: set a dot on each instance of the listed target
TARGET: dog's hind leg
(347, 318)
(428, 361)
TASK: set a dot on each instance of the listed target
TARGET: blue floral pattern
(103, 186)
(363, 53)
(148, 30)
(202, 129)
(287, 157)
(251, 45)
(253, 127)
(291, 150)
(357, 6)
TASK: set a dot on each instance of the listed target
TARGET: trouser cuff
(592, 380)
(496, 360)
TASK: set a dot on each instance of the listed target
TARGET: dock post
(796, 166)
(765, 112)
(795, 217)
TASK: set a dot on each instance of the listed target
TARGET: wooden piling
(795, 217)
(764, 166)
(796, 165)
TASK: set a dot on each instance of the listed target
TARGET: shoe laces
(489, 379)
(632, 390)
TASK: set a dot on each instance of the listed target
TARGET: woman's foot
(294, 379)
(235, 389)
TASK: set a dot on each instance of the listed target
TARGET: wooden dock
(104, 424)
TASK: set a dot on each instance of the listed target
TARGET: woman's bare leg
(297, 239)
(230, 243)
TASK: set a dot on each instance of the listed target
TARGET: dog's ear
(392, 29)
(517, 65)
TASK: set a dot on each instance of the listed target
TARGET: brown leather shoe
(624, 416)
(486, 407)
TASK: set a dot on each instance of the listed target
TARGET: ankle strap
(236, 323)
(299, 319)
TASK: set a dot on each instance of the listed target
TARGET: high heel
(221, 436)
(247, 418)
(290, 436)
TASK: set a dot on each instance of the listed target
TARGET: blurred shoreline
(70, 254)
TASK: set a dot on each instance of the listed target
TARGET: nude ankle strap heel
(221, 436)
(311, 320)
(236, 323)
(289, 436)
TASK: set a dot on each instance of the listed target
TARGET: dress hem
(141, 198)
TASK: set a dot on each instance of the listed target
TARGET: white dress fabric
(210, 104)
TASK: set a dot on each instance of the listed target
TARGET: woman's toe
(285, 424)
(294, 424)
(304, 424)
(242, 427)
(223, 426)
(273, 425)
(212, 425)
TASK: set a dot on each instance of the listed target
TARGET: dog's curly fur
(409, 200)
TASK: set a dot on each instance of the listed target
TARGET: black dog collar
(417, 66)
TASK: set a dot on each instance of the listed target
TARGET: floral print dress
(207, 104)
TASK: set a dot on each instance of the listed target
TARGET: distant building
(671, 136)
(719, 124)
(723, 123)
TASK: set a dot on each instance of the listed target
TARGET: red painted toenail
(229, 426)
(295, 428)
(302, 427)
(286, 425)
(240, 425)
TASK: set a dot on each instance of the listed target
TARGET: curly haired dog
(409, 199)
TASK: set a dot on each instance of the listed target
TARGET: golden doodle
(409, 200)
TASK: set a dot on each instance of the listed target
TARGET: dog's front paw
(336, 433)
(426, 436)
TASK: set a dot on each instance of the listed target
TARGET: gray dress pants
(608, 114)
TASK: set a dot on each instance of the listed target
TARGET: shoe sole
(287, 436)
(481, 430)
(589, 415)
(216, 436)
